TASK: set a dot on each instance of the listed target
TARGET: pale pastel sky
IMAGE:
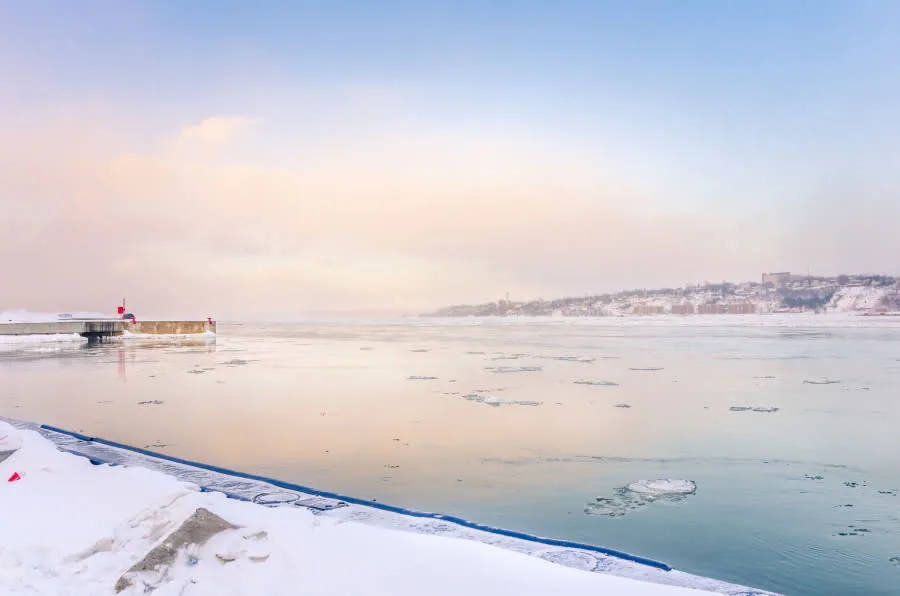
(267, 159)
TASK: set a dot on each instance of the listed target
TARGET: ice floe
(513, 369)
(493, 400)
(640, 494)
(596, 383)
(663, 486)
(764, 409)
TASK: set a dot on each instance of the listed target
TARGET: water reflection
(380, 411)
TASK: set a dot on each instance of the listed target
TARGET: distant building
(683, 309)
(742, 308)
(721, 308)
(776, 279)
(711, 309)
(646, 309)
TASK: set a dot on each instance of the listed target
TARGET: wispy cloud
(217, 130)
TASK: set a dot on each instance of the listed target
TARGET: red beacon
(125, 315)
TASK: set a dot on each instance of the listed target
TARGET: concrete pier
(170, 327)
(101, 328)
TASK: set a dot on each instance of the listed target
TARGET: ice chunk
(513, 369)
(820, 381)
(597, 383)
(663, 486)
(493, 400)
(416, 378)
(640, 494)
(766, 409)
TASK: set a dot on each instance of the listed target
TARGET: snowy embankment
(855, 299)
(71, 527)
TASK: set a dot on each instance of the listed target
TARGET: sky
(270, 159)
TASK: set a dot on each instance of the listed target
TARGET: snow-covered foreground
(70, 527)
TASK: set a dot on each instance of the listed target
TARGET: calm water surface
(805, 500)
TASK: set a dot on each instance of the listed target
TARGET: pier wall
(107, 328)
(170, 327)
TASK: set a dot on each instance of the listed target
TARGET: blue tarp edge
(374, 504)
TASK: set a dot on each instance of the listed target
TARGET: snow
(857, 298)
(664, 486)
(42, 338)
(69, 527)
(25, 316)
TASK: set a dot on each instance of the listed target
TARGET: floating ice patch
(820, 382)
(854, 531)
(513, 369)
(813, 477)
(765, 409)
(237, 362)
(597, 383)
(663, 486)
(581, 359)
(894, 560)
(640, 494)
(417, 378)
(493, 400)
(647, 369)
(764, 377)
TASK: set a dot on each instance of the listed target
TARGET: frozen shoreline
(111, 517)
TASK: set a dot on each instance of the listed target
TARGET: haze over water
(802, 500)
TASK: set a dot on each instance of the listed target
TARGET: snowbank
(25, 316)
(70, 527)
(853, 299)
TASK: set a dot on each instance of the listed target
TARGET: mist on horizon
(244, 164)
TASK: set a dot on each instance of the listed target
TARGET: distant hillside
(875, 294)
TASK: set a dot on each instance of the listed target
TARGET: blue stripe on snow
(373, 504)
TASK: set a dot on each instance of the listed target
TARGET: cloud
(217, 130)
(400, 219)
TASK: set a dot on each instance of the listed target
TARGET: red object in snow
(14, 477)
(121, 310)
(209, 319)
